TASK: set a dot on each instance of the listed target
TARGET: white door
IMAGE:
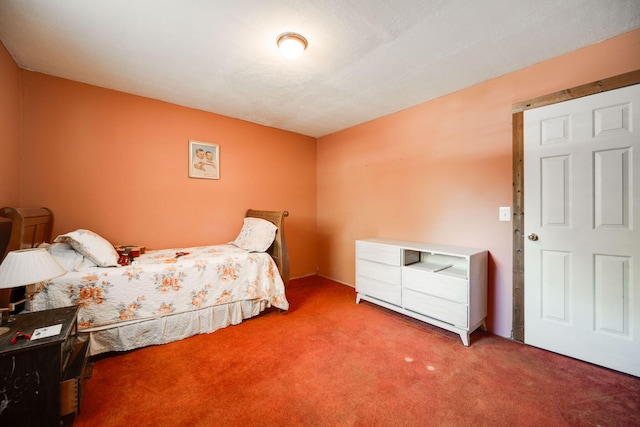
(582, 204)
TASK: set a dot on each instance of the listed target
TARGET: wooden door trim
(616, 82)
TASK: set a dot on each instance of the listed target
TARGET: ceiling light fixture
(291, 44)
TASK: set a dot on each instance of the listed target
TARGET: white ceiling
(366, 58)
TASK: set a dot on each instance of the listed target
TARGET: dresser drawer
(439, 285)
(377, 252)
(381, 272)
(381, 290)
(438, 308)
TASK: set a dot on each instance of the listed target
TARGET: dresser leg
(465, 338)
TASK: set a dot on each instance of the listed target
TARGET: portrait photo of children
(204, 160)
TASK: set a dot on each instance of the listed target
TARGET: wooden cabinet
(42, 379)
(442, 285)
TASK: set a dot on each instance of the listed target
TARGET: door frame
(517, 110)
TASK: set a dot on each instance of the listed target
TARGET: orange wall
(118, 164)
(439, 172)
(9, 129)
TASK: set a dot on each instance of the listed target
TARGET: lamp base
(4, 330)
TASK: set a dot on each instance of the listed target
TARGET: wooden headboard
(278, 249)
(29, 228)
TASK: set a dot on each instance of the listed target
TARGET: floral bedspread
(160, 282)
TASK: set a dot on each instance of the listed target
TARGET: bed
(163, 295)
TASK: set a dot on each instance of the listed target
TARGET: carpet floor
(330, 362)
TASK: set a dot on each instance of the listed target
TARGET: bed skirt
(174, 327)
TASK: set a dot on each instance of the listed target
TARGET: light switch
(505, 213)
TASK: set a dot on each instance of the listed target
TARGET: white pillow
(69, 258)
(92, 246)
(256, 235)
(66, 256)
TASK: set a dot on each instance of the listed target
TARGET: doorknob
(533, 237)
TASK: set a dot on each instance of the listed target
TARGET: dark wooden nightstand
(42, 380)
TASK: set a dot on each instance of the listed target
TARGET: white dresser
(442, 285)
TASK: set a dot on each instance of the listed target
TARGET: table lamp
(24, 267)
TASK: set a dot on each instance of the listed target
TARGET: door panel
(555, 285)
(582, 196)
(555, 196)
(612, 183)
(612, 309)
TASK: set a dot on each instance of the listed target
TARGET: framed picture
(204, 160)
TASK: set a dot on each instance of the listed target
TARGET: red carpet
(330, 362)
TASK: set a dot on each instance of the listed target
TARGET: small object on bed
(134, 250)
(128, 253)
(125, 257)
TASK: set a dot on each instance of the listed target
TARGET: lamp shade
(28, 266)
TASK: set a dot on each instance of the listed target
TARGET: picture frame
(204, 160)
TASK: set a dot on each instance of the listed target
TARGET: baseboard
(336, 280)
(324, 277)
(303, 276)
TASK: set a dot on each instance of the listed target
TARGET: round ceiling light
(291, 44)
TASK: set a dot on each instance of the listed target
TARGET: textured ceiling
(365, 59)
